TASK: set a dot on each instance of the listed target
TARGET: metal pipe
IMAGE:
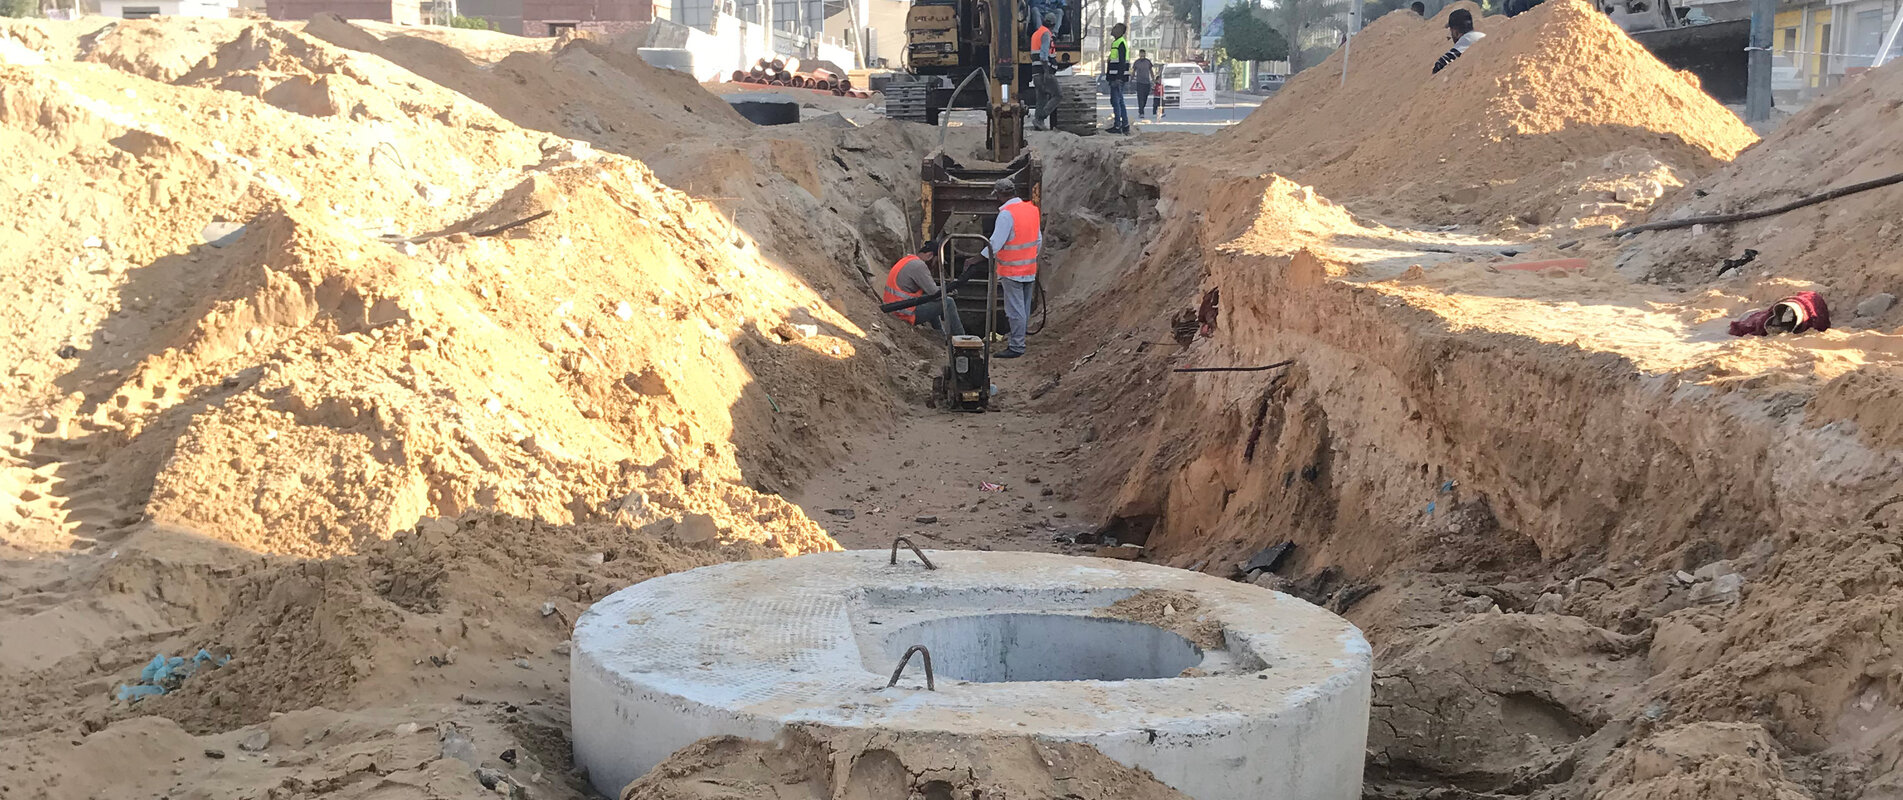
(1889, 41)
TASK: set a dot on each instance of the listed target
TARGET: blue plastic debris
(1430, 509)
(137, 691)
(163, 674)
(1447, 487)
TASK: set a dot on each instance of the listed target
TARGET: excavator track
(1077, 108)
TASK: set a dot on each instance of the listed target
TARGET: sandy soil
(370, 357)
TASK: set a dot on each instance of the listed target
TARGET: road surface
(1230, 108)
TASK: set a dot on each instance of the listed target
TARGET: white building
(147, 9)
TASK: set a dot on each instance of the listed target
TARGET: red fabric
(1816, 313)
(894, 294)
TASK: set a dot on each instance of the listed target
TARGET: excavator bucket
(1713, 51)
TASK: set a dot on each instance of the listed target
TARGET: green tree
(1248, 36)
(472, 23)
(1309, 25)
(19, 8)
(1188, 12)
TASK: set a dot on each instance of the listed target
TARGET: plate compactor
(953, 194)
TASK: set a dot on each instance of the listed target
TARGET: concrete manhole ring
(1280, 709)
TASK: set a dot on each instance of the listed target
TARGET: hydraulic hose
(944, 117)
(971, 271)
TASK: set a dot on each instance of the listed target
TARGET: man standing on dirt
(1116, 73)
(1143, 76)
(1460, 28)
(1044, 60)
(1017, 238)
(912, 277)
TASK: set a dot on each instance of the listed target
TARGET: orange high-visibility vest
(1037, 43)
(1019, 257)
(894, 294)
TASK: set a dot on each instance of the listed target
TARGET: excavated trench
(1560, 557)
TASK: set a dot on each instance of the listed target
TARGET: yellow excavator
(984, 45)
(947, 42)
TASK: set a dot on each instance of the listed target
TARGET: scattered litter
(842, 513)
(163, 674)
(988, 486)
(1730, 264)
(925, 519)
(1799, 313)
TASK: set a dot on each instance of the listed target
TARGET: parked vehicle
(1270, 84)
(1173, 77)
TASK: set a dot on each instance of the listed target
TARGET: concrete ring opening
(996, 648)
(1023, 644)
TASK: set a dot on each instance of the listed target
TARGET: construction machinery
(948, 41)
(985, 46)
(1684, 39)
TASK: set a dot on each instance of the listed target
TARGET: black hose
(971, 270)
(1744, 216)
(1043, 311)
(1235, 369)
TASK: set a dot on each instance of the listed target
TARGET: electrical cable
(1235, 369)
(1744, 216)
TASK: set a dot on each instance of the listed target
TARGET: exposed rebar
(915, 551)
(931, 684)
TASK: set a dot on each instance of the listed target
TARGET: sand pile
(819, 765)
(1846, 246)
(280, 304)
(1545, 120)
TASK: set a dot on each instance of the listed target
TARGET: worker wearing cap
(1016, 238)
(912, 277)
(1460, 28)
(1044, 61)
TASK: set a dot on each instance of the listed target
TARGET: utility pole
(1757, 89)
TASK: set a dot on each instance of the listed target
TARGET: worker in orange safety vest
(1044, 78)
(1016, 238)
(912, 277)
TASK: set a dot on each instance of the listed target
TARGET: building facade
(146, 9)
(402, 12)
(1818, 43)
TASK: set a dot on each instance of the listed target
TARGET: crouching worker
(912, 278)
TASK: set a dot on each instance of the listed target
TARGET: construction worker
(1044, 60)
(1017, 238)
(1460, 28)
(912, 277)
(1116, 73)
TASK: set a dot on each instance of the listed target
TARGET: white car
(1173, 77)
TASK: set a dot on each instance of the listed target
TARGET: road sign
(1199, 91)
